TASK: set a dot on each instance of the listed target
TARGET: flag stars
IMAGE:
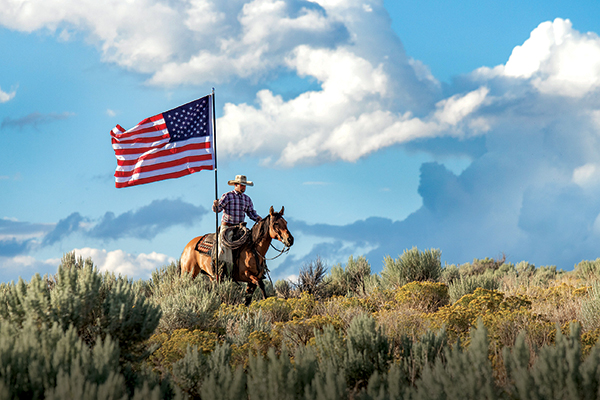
(188, 121)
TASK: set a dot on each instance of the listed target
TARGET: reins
(285, 250)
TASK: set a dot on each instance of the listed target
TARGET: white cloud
(120, 262)
(4, 96)
(364, 88)
(24, 266)
(587, 175)
(557, 59)
(337, 123)
(454, 109)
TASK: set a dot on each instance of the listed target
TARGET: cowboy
(235, 205)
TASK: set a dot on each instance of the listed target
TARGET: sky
(470, 127)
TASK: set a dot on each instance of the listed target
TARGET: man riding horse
(235, 205)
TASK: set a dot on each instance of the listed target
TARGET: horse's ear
(271, 211)
(281, 212)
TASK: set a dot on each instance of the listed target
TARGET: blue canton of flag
(188, 121)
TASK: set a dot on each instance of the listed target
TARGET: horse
(250, 268)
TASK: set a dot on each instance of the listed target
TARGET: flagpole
(216, 182)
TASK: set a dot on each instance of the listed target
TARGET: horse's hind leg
(261, 285)
(249, 292)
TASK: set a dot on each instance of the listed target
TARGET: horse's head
(278, 228)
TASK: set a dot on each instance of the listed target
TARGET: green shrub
(283, 288)
(467, 285)
(559, 371)
(587, 270)
(482, 266)
(351, 280)
(367, 351)
(223, 383)
(423, 296)
(275, 377)
(95, 305)
(450, 273)
(412, 265)
(209, 376)
(240, 327)
(273, 309)
(462, 374)
(590, 309)
(192, 307)
(40, 361)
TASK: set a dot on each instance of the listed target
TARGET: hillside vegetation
(418, 330)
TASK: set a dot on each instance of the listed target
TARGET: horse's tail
(179, 267)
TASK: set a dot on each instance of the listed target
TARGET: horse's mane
(260, 229)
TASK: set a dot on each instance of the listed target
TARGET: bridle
(283, 251)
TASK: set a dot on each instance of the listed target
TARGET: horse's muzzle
(288, 241)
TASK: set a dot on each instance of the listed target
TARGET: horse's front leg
(249, 292)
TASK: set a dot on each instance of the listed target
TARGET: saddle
(206, 244)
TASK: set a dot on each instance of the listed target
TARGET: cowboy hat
(241, 179)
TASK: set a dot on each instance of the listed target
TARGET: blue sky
(471, 127)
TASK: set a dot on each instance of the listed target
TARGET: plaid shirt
(236, 205)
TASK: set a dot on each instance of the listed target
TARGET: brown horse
(250, 265)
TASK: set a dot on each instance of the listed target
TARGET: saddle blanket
(206, 243)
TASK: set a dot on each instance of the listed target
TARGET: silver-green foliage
(41, 361)
(186, 303)
(461, 374)
(412, 265)
(588, 269)
(209, 376)
(241, 326)
(276, 377)
(364, 351)
(94, 305)
(283, 288)
(590, 309)
(352, 279)
(559, 371)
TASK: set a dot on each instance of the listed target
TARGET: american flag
(169, 145)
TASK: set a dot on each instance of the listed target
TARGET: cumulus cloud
(184, 42)
(366, 81)
(337, 133)
(557, 59)
(134, 266)
(530, 126)
(138, 266)
(531, 190)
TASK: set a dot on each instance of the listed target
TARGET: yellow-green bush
(304, 306)
(299, 331)
(173, 347)
(490, 305)
(423, 296)
(274, 309)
